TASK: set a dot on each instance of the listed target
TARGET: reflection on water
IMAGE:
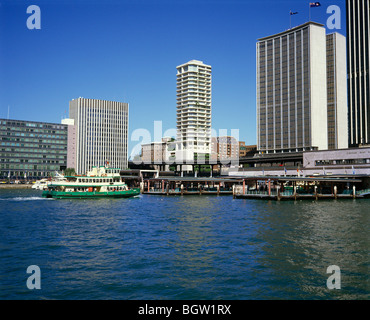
(302, 239)
(197, 247)
(192, 228)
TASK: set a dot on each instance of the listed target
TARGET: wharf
(297, 196)
(263, 187)
(172, 186)
(301, 188)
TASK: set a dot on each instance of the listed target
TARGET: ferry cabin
(95, 188)
(98, 180)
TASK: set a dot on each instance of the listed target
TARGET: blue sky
(128, 51)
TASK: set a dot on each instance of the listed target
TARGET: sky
(128, 50)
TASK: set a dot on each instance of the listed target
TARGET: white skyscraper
(337, 91)
(292, 90)
(194, 100)
(101, 129)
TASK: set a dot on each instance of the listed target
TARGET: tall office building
(32, 149)
(337, 91)
(358, 47)
(101, 133)
(292, 89)
(194, 100)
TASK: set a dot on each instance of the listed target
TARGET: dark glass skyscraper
(358, 12)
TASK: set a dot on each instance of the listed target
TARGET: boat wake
(24, 199)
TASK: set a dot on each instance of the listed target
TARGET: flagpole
(291, 14)
(309, 12)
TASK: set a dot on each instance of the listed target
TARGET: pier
(301, 188)
(279, 188)
(172, 186)
(264, 187)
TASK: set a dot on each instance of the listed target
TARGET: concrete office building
(358, 47)
(194, 100)
(292, 90)
(101, 133)
(32, 149)
(337, 91)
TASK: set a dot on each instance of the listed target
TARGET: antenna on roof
(8, 111)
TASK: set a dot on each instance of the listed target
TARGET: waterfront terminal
(333, 174)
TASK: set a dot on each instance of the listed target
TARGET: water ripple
(182, 248)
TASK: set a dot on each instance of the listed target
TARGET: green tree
(69, 172)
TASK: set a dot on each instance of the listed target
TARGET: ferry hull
(90, 195)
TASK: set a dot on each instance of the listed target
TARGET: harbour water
(193, 247)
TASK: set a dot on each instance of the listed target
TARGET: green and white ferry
(101, 182)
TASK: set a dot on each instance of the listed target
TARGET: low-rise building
(159, 152)
(333, 162)
(32, 149)
(226, 148)
(246, 150)
(354, 161)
